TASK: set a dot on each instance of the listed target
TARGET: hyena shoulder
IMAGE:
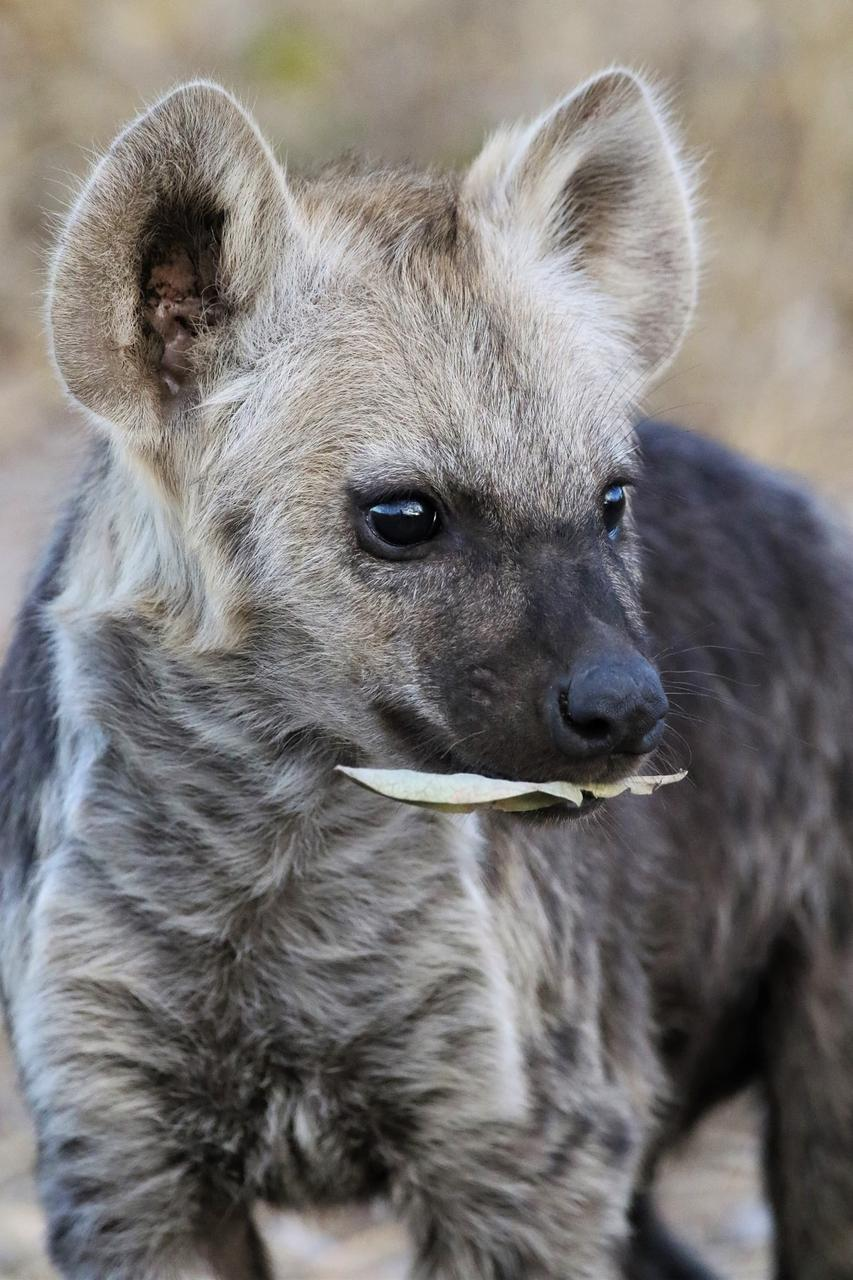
(730, 532)
(28, 715)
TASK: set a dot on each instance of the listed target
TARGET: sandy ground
(710, 1192)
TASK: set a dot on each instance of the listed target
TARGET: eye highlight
(613, 503)
(403, 520)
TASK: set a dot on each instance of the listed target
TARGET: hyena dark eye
(613, 504)
(403, 521)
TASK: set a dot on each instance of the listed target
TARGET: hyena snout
(611, 704)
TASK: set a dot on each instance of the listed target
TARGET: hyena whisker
(675, 652)
(692, 692)
(676, 711)
(734, 681)
(683, 407)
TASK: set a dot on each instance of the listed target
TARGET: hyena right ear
(171, 241)
(596, 187)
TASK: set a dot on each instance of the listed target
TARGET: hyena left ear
(597, 185)
(171, 242)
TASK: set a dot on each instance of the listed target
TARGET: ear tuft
(174, 237)
(599, 181)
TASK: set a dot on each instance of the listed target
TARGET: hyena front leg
(123, 1202)
(509, 1203)
(105, 1063)
(121, 1207)
(809, 1155)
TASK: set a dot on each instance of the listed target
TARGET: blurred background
(764, 89)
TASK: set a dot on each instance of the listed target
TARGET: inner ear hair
(599, 185)
(179, 285)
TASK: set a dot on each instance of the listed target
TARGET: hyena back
(366, 487)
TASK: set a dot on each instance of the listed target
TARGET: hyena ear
(172, 240)
(597, 183)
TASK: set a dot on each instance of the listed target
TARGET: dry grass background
(765, 89)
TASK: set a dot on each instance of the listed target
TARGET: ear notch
(174, 237)
(599, 181)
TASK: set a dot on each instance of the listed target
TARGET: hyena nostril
(594, 727)
(614, 704)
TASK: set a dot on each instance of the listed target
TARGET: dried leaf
(466, 792)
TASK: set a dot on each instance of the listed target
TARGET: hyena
(366, 486)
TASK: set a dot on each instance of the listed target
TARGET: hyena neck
(180, 770)
(182, 786)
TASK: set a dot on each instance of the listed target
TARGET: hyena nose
(608, 705)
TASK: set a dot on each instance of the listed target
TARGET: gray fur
(231, 975)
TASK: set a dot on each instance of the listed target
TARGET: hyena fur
(229, 974)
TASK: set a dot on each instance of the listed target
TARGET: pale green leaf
(465, 792)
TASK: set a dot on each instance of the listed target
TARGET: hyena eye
(613, 505)
(404, 520)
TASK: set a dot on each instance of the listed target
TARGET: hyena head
(377, 426)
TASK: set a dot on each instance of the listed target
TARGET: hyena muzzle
(366, 486)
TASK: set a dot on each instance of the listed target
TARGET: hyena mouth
(468, 792)
(562, 811)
